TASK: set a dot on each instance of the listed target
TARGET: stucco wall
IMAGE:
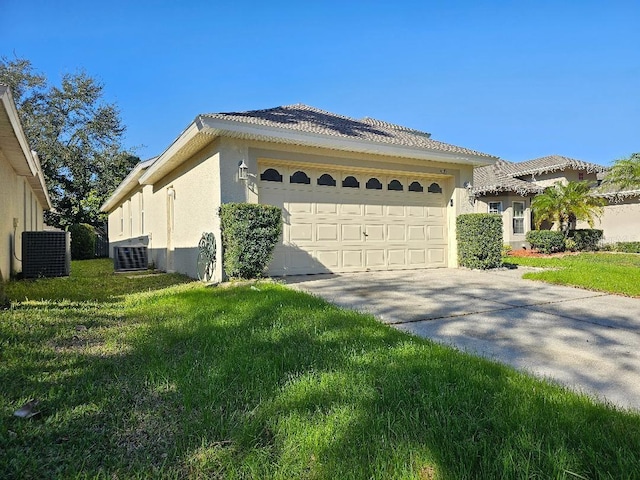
(548, 179)
(17, 201)
(620, 221)
(174, 223)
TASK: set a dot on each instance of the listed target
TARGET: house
(508, 188)
(23, 191)
(356, 194)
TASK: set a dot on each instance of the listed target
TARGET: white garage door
(347, 222)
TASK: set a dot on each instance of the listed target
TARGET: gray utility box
(46, 254)
(132, 257)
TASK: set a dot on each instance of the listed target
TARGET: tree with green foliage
(625, 173)
(77, 136)
(563, 204)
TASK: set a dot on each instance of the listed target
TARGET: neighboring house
(23, 192)
(507, 188)
(356, 194)
(621, 219)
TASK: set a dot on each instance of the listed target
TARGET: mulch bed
(523, 252)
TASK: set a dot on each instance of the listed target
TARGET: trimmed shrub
(546, 241)
(627, 247)
(479, 238)
(586, 239)
(250, 232)
(83, 241)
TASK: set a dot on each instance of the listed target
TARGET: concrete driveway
(586, 340)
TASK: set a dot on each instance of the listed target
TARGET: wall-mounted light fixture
(451, 202)
(243, 171)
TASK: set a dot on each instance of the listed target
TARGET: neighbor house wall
(548, 179)
(620, 221)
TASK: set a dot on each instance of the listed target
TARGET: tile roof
(307, 119)
(503, 176)
(550, 164)
(494, 179)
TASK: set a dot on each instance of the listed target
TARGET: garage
(347, 221)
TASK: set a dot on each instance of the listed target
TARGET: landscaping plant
(479, 238)
(250, 232)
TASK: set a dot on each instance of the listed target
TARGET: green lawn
(189, 381)
(605, 272)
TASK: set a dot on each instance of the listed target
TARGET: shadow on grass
(271, 383)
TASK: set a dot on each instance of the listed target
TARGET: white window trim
(520, 217)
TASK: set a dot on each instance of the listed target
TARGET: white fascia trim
(217, 126)
(129, 183)
(16, 125)
(183, 139)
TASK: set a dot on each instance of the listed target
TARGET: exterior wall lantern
(243, 171)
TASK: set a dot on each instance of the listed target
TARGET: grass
(188, 381)
(604, 272)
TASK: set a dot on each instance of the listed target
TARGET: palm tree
(625, 173)
(566, 203)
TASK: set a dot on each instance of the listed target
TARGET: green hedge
(83, 241)
(546, 241)
(586, 239)
(627, 247)
(249, 234)
(479, 238)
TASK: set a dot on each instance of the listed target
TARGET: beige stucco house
(356, 194)
(507, 188)
(23, 191)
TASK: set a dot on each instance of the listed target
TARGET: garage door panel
(352, 258)
(327, 232)
(374, 210)
(436, 256)
(374, 233)
(435, 232)
(416, 233)
(417, 257)
(375, 258)
(397, 257)
(416, 211)
(326, 208)
(396, 233)
(300, 207)
(395, 210)
(352, 233)
(329, 258)
(301, 232)
(435, 212)
(350, 209)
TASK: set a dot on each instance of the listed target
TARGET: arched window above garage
(395, 185)
(300, 177)
(271, 175)
(416, 187)
(351, 182)
(374, 184)
(434, 188)
(326, 180)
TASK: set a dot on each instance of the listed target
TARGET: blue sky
(516, 79)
